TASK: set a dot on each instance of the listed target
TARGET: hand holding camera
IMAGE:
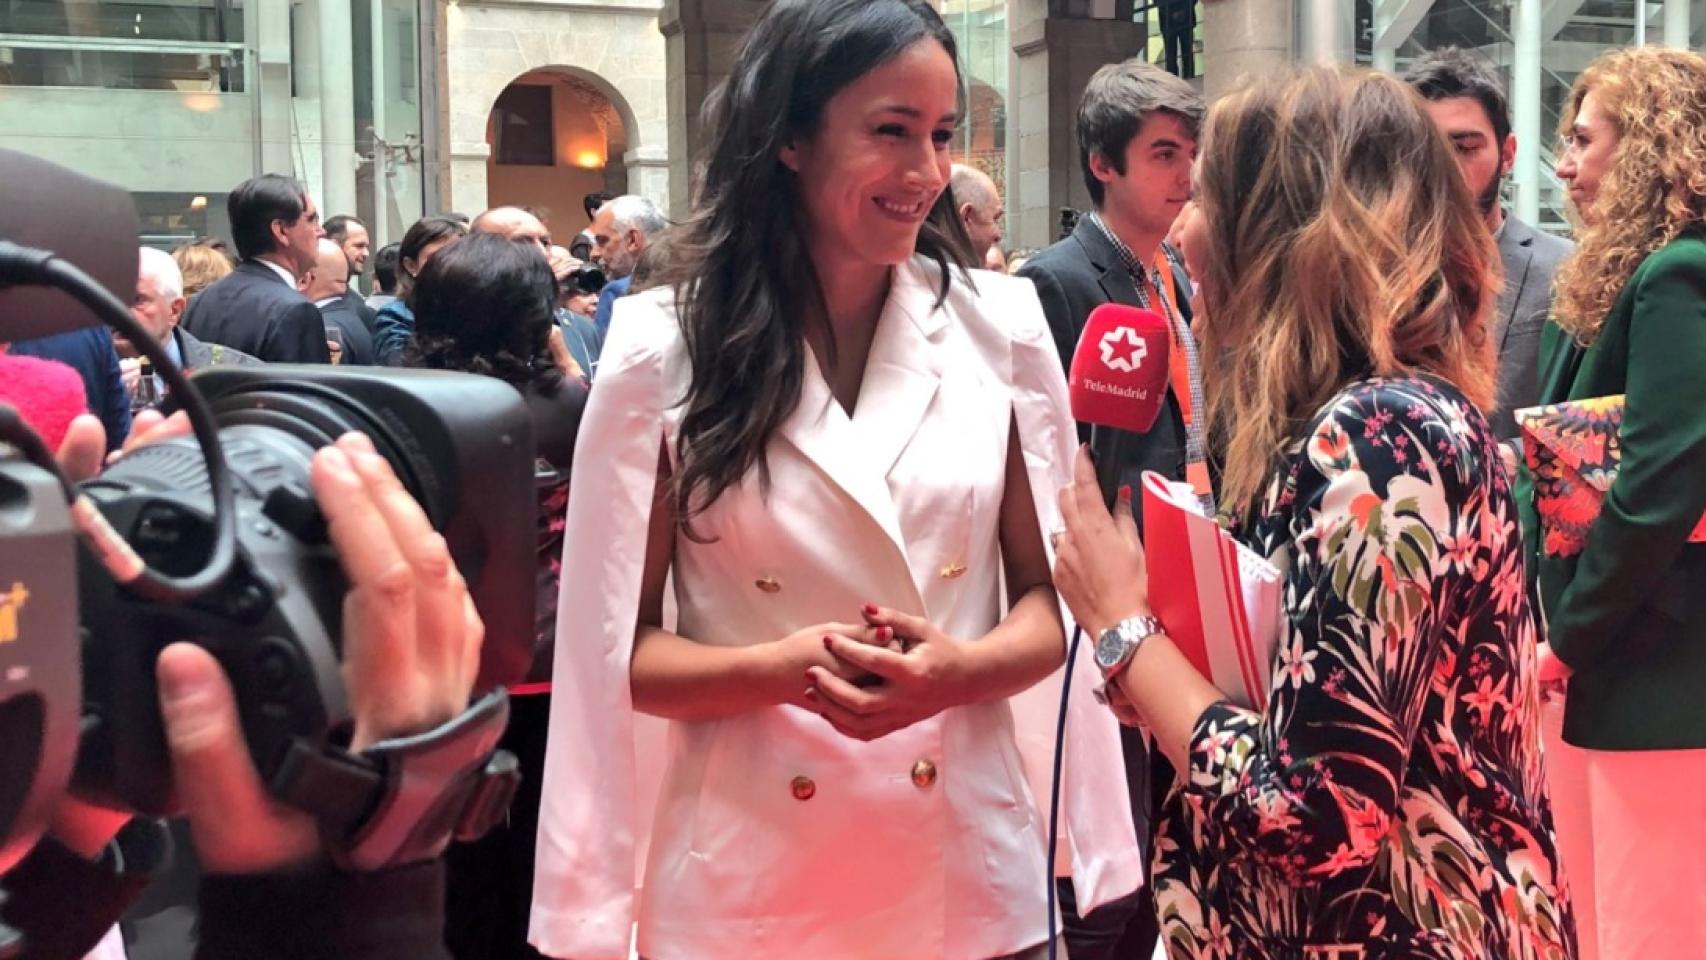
(412, 642)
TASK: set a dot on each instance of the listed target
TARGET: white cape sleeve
(1106, 859)
(589, 818)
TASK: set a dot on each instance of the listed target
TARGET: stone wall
(615, 46)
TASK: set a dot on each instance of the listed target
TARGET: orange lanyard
(1179, 371)
(1178, 363)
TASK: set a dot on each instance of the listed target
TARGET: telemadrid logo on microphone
(1133, 355)
(1123, 351)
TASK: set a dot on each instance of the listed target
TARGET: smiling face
(357, 247)
(1589, 149)
(1156, 184)
(879, 159)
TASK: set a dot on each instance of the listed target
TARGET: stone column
(1056, 47)
(1527, 32)
(650, 174)
(1244, 38)
(1326, 31)
(268, 21)
(1677, 30)
(701, 39)
(337, 109)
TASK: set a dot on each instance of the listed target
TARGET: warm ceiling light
(198, 203)
(201, 102)
(589, 159)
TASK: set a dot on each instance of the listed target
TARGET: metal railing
(228, 62)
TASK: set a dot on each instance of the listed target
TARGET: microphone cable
(1054, 792)
(21, 265)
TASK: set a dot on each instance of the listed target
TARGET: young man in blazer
(256, 308)
(1469, 107)
(1137, 138)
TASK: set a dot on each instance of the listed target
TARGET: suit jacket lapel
(1516, 249)
(1110, 268)
(902, 374)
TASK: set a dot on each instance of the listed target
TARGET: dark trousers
(489, 883)
(1178, 27)
(1127, 928)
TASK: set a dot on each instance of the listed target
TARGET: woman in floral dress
(1388, 800)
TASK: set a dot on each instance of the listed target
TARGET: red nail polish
(1125, 493)
(885, 634)
(829, 643)
(871, 610)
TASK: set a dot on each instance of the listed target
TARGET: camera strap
(403, 800)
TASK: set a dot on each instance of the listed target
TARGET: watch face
(1110, 646)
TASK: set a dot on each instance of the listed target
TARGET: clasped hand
(919, 672)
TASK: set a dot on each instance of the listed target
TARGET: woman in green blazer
(1626, 603)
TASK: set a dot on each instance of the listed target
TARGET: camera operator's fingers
(150, 427)
(473, 638)
(379, 611)
(439, 588)
(79, 453)
(238, 826)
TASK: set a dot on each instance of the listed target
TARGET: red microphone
(47, 394)
(1120, 369)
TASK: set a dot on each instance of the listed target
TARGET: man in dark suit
(351, 236)
(327, 284)
(257, 308)
(1137, 133)
(1469, 107)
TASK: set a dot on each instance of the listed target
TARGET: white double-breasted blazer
(774, 836)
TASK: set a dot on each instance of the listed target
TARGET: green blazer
(1628, 614)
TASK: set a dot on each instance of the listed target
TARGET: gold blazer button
(953, 571)
(768, 584)
(804, 788)
(923, 774)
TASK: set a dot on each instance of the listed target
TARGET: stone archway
(617, 54)
(556, 136)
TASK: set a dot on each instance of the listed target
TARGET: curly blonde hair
(1656, 186)
(1341, 244)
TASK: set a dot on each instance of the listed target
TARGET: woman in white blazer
(839, 444)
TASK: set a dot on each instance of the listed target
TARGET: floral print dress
(1390, 801)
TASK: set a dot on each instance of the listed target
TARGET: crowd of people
(810, 489)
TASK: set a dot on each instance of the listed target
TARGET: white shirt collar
(289, 277)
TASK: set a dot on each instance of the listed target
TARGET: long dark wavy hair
(484, 305)
(743, 278)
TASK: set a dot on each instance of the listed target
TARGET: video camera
(217, 540)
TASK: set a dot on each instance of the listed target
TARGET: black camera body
(240, 564)
(461, 444)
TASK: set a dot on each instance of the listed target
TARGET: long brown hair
(1656, 187)
(1341, 244)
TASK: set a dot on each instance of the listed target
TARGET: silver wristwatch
(1118, 644)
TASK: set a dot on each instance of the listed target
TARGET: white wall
(144, 140)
